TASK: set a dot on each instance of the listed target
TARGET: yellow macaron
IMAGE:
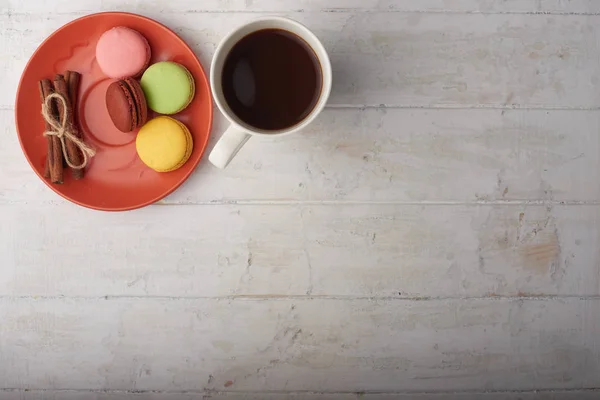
(164, 144)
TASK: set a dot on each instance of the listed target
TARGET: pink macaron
(122, 52)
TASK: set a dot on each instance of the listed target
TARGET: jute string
(63, 131)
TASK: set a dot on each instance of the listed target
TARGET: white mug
(239, 132)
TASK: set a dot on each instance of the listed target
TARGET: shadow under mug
(239, 132)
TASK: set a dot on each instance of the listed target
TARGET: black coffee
(272, 79)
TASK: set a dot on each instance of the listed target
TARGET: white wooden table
(435, 232)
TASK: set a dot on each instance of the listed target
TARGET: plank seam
(383, 203)
(306, 392)
(329, 203)
(10, 13)
(301, 297)
(392, 106)
(505, 107)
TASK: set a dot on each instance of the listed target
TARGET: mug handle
(228, 146)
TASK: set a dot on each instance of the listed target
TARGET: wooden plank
(392, 155)
(535, 395)
(212, 395)
(377, 252)
(312, 250)
(453, 251)
(117, 395)
(415, 155)
(186, 6)
(325, 345)
(399, 59)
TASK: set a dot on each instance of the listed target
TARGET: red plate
(116, 179)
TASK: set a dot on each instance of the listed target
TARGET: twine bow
(62, 131)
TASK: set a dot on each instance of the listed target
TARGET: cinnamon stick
(65, 165)
(54, 159)
(73, 80)
(60, 86)
(66, 75)
(43, 95)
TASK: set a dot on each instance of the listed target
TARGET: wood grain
(225, 395)
(329, 250)
(433, 236)
(386, 155)
(568, 7)
(400, 59)
(350, 346)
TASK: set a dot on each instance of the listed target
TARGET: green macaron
(168, 86)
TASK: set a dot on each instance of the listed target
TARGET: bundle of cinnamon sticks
(67, 86)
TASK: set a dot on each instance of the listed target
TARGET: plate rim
(195, 162)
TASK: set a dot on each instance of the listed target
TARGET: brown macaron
(126, 104)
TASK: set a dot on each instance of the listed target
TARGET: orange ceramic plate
(116, 179)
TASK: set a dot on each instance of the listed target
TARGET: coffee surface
(272, 79)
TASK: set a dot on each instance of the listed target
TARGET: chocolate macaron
(126, 104)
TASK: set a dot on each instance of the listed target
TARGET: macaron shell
(169, 87)
(120, 104)
(164, 144)
(146, 64)
(189, 147)
(192, 89)
(139, 99)
(122, 52)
